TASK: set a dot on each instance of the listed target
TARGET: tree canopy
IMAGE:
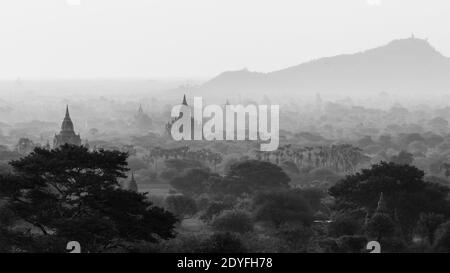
(247, 177)
(406, 193)
(71, 193)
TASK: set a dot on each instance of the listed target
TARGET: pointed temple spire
(381, 207)
(132, 186)
(67, 111)
(67, 124)
(67, 133)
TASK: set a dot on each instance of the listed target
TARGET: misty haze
(87, 154)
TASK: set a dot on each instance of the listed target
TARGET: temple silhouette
(67, 134)
(173, 120)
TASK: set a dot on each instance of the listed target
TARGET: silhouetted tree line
(73, 194)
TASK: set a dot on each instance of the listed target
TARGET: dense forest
(330, 188)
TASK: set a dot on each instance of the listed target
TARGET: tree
(323, 174)
(182, 206)
(213, 209)
(295, 235)
(221, 187)
(247, 177)
(403, 158)
(442, 242)
(351, 243)
(380, 226)
(5, 168)
(283, 207)
(385, 140)
(259, 175)
(446, 167)
(438, 124)
(175, 167)
(223, 242)
(136, 164)
(344, 224)
(181, 165)
(313, 196)
(193, 181)
(238, 221)
(290, 166)
(71, 193)
(405, 192)
(25, 146)
(428, 224)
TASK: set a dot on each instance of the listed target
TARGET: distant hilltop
(403, 65)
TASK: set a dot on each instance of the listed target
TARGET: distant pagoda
(381, 206)
(172, 121)
(67, 134)
(132, 185)
(142, 120)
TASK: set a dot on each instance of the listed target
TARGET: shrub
(259, 175)
(295, 235)
(192, 181)
(180, 205)
(428, 224)
(393, 244)
(238, 221)
(283, 207)
(380, 225)
(442, 241)
(224, 242)
(323, 174)
(328, 245)
(136, 164)
(352, 244)
(264, 243)
(344, 224)
(213, 209)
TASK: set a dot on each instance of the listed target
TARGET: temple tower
(67, 134)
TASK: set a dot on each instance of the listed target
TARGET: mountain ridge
(402, 65)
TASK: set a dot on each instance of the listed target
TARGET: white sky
(200, 38)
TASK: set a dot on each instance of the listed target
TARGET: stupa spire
(381, 206)
(132, 185)
(67, 133)
(67, 124)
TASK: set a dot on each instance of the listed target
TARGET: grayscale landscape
(87, 152)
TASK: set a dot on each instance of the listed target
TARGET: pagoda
(67, 134)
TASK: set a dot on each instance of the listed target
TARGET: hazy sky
(200, 38)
